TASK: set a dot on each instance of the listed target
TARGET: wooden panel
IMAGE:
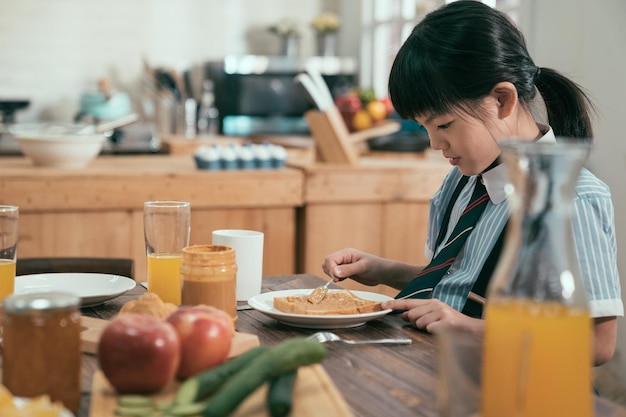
(98, 211)
(102, 234)
(404, 232)
(331, 227)
(278, 226)
(373, 181)
(395, 230)
(126, 182)
(138, 246)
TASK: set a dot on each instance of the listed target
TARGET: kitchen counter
(98, 211)
(306, 210)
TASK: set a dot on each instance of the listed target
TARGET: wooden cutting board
(315, 395)
(92, 329)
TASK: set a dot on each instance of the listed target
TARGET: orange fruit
(377, 110)
(361, 120)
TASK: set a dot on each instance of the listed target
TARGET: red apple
(348, 105)
(348, 102)
(205, 334)
(138, 353)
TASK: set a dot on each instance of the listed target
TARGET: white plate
(20, 402)
(93, 289)
(265, 304)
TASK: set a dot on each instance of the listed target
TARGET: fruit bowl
(69, 146)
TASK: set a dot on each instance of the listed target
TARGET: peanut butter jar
(209, 276)
(41, 346)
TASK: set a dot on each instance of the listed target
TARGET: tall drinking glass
(8, 249)
(167, 225)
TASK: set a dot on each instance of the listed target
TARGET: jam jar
(41, 348)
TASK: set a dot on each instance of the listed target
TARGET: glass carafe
(537, 347)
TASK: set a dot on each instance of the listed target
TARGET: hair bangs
(416, 83)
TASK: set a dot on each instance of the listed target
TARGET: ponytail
(568, 107)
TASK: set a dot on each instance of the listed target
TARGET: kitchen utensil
(114, 124)
(166, 230)
(248, 246)
(322, 87)
(58, 145)
(92, 288)
(314, 92)
(319, 293)
(110, 125)
(323, 337)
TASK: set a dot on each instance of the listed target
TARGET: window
(387, 23)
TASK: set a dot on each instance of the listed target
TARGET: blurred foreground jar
(41, 347)
(537, 348)
(209, 276)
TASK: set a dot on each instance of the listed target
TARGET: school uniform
(593, 230)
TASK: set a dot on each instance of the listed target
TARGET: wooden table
(375, 380)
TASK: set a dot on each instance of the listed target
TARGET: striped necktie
(423, 284)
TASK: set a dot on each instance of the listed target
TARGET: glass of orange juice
(8, 249)
(167, 225)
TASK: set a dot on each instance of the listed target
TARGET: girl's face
(467, 141)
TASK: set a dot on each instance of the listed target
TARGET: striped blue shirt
(593, 231)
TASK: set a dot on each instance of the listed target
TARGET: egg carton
(240, 156)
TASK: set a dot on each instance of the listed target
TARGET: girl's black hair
(459, 52)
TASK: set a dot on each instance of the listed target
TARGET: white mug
(248, 246)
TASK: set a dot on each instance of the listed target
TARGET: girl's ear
(505, 95)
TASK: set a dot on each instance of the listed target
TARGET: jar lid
(24, 303)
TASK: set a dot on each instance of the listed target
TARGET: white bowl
(60, 146)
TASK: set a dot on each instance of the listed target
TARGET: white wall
(587, 41)
(53, 51)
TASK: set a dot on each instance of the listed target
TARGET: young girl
(466, 76)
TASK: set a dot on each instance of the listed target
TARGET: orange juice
(537, 360)
(164, 276)
(7, 277)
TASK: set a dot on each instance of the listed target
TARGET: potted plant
(326, 26)
(288, 32)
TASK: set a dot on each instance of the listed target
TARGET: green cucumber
(134, 400)
(285, 357)
(205, 383)
(191, 409)
(280, 394)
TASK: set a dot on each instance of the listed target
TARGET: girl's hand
(352, 263)
(433, 315)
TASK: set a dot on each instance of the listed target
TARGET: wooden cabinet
(98, 211)
(306, 211)
(379, 206)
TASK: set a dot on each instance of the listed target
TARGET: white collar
(495, 179)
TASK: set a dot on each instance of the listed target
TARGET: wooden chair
(115, 266)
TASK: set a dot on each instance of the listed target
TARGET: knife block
(334, 143)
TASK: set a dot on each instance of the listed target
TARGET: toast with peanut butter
(335, 302)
